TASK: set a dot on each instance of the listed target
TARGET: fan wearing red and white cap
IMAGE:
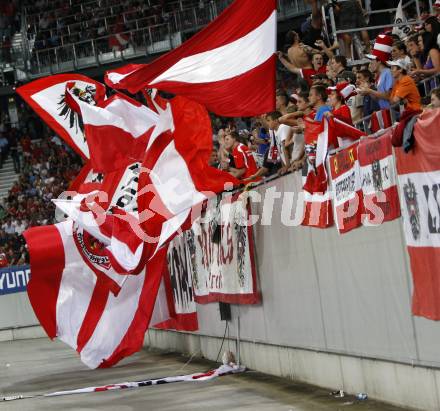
(380, 54)
(337, 98)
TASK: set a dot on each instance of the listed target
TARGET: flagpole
(238, 337)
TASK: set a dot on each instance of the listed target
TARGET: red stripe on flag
(47, 271)
(426, 296)
(94, 312)
(318, 214)
(425, 153)
(112, 148)
(134, 337)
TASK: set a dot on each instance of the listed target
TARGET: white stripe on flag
(123, 255)
(422, 213)
(177, 192)
(225, 62)
(121, 114)
(140, 119)
(71, 306)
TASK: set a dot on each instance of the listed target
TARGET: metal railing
(30, 63)
(354, 31)
(180, 20)
(89, 53)
(108, 23)
(92, 5)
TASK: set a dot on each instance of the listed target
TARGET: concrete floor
(39, 365)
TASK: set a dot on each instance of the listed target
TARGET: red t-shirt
(307, 73)
(26, 144)
(343, 113)
(243, 158)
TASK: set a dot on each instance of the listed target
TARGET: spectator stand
(46, 168)
(100, 33)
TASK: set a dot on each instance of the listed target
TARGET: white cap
(399, 63)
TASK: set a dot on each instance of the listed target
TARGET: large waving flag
(75, 305)
(229, 66)
(95, 276)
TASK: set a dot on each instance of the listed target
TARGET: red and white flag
(380, 120)
(378, 179)
(47, 96)
(419, 182)
(346, 189)
(319, 138)
(73, 304)
(316, 138)
(117, 130)
(317, 211)
(229, 66)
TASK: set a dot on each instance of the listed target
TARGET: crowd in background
(46, 166)
(9, 25)
(320, 79)
(57, 23)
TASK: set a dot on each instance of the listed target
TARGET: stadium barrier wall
(335, 312)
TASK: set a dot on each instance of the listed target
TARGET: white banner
(403, 29)
(220, 255)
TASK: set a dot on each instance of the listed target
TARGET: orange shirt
(406, 90)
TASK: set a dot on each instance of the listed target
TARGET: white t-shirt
(281, 135)
(298, 146)
(19, 228)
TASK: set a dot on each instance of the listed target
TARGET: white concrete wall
(336, 312)
(399, 384)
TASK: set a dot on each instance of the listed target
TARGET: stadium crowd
(315, 78)
(46, 166)
(319, 79)
(9, 25)
(57, 24)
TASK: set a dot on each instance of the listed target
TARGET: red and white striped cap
(382, 48)
(344, 89)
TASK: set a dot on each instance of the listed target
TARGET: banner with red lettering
(419, 182)
(378, 179)
(346, 189)
(219, 253)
